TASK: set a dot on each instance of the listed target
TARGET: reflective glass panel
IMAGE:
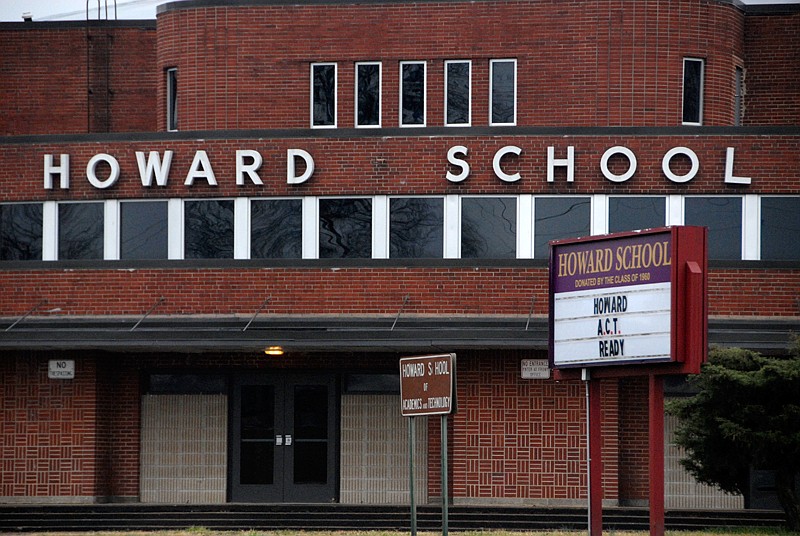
(143, 230)
(323, 98)
(310, 434)
(416, 227)
(780, 219)
(369, 94)
(559, 217)
(276, 229)
(503, 92)
(21, 232)
(489, 227)
(257, 448)
(208, 229)
(345, 228)
(633, 213)
(692, 90)
(723, 217)
(172, 99)
(80, 231)
(413, 94)
(458, 93)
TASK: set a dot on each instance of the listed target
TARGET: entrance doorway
(283, 439)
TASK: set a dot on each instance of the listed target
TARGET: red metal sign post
(628, 304)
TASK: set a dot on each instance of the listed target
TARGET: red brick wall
(772, 49)
(520, 439)
(610, 63)
(414, 165)
(49, 442)
(45, 88)
(634, 484)
(348, 291)
(510, 438)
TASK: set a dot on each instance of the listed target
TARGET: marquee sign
(628, 298)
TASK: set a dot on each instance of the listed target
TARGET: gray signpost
(427, 387)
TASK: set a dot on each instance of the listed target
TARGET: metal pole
(585, 376)
(445, 493)
(411, 444)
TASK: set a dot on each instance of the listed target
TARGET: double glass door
(283, 441)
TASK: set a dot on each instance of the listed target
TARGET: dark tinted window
(503, 92)
(780, 228)
(416, 228)
(143, 230)
(21, 232)
(369, 94)
(723, 217)
(692, 90)
(323, 94)
(457, 75)
(345, 228)
(633, 213)
(489, 227)
(276, 229)
(80, 231)
(559, 217)
(172, 99)
(413, 94)
(208, 229)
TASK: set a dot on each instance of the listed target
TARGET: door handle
(283, 440)
(288, 440)
(279, 440)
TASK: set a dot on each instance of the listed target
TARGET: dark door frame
(285, 440)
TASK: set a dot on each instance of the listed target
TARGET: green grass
(200, 531)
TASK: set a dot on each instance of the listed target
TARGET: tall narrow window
(412, 94)
(368, 94)
(323, 95)
(738, 97)
(693, 91)
(172, 99)
(503, 97)
(458, 93)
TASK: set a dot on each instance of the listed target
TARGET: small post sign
(426, 385)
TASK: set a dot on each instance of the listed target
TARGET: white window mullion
(599, 210)
(380, 227)
(452, 227)
(241, 228)
(175, 229)
(525, 227)
(310, 228)
(674, 209)
(50, 231)
(751, 228)
(111, 227)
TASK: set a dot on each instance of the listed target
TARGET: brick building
(355, 182)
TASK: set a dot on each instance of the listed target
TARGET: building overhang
(334, 334)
